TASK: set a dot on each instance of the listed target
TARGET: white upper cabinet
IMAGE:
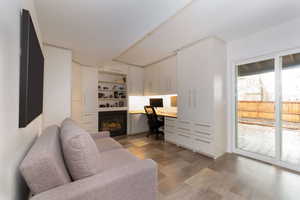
(89, 89)
(195, 82)
(160, 78)
(136, 81)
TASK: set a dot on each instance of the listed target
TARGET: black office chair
(153, 122)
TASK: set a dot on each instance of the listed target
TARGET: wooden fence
(265, 110)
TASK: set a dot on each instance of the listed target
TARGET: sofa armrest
(101, 134)
(135, 181)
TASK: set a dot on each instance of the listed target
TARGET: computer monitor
(157, 102)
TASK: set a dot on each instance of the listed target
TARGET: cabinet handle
(185, 129)
(170, 126)
(190, 98)
(207, 142)
(168, 132)
(195, 98)
(184, 122)
(184, 136)
(205, 125)
(203, 133)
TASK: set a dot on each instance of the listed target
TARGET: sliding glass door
(268, 110)
(290, 150)
(256, 107)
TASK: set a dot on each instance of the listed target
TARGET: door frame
(277, 56)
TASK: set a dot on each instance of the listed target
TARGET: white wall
(268, 42)
(57, 85)
(14, 142)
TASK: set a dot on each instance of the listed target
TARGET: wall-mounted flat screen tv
(31, 72)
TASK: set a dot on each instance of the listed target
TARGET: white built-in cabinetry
(160, 78)
(76, 110)
(89, 85)
(201, 122)
(135, 81)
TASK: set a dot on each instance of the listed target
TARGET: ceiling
(141, 32)
(226, 19)
(99, 30)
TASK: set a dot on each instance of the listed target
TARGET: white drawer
(170, 122)
(184, 126)
(170, 126)
(170, 137)
(202, 134)
(203, 146)
(202, 139)
(202, 127)
(184, 140)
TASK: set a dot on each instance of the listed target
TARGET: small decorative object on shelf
(112, 91)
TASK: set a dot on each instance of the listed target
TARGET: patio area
(261, 139)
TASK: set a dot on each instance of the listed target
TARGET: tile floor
(184, 175)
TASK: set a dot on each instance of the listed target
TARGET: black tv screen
(31, 72)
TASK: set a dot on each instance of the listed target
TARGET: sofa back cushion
(79, 149)
(43, 167)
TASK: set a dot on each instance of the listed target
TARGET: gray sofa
(67, 163)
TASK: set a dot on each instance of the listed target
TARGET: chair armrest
(135, 181)
(101, 134)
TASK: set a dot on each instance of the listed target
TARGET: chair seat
(107, 144)
(115, 158)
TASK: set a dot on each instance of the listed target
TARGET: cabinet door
(184, 84)
(89, 89)
(156, 79)
(136, 81)
(138, 123)
(170, 73)
(148, 84)
(195, 82)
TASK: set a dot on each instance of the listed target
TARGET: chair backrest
(151, 115)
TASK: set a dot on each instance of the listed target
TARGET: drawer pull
(170, 120)
(207, 142)
(203, 133)
(169, 132)
(170, 126)
(185, 129)
(184, 135)
(205, 125)
(184, 122)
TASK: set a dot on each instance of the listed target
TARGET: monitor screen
(156, 102)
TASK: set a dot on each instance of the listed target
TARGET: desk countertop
(159, 113)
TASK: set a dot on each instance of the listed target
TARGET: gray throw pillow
(79, 149)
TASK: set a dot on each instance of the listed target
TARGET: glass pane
(256, 107)
(291, 109)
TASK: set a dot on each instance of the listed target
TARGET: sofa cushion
(79, 149)
(115, 158)
(107, 144)
(43, 167)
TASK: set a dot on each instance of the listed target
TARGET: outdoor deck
(261, 139)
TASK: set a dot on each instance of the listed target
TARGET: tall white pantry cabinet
(201, 122)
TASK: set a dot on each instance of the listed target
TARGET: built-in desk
(159, 113)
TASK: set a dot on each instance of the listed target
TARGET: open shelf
(112, 82)
(105, 109)
(112, 90)
(112, 99)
